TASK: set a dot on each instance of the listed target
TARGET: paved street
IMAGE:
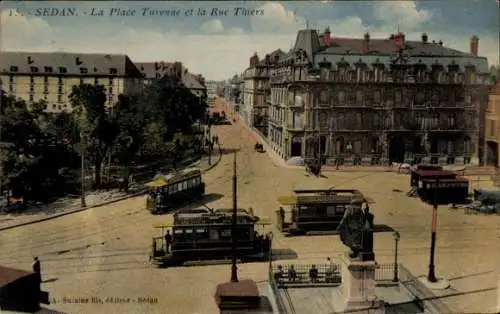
(103, 252)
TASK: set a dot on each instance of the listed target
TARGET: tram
(172, 190)
(206, 235)
(316, 210)
(439, 186)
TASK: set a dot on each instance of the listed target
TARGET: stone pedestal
(358, 286)
(237, 297)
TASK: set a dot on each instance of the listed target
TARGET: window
(189, 183)
(113, 71)
(359, 98)
(110, 90)
(32, 88)
(96, 81)
(492, 128)
(341, 96)
(184, 185)
(14, 69)
(376, 97)
(83, 71)
(45, 96)
(323, 97)
(48, 69)
(81, 81)
(351, 98)
(59, 98)
(46, 80)
(34, 69)
(60, 89)
(63, 70)
(32, 79)
(110, 81)
(11, 79)
(32, 97)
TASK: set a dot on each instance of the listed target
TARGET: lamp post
(82, 165)
(396, 237)
(270, 249)
(234, 268)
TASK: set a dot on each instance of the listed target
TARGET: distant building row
(393, 98)
(35, 76)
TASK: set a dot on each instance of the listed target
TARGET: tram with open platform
(316, 210)
(206, 235)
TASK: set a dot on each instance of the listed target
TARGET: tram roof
(324, 196)
(160, 180)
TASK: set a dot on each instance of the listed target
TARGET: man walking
(168, 241)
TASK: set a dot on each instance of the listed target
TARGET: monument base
(358, 286)
(440, 284)
(240, 295)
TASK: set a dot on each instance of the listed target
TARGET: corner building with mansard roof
(378, 100)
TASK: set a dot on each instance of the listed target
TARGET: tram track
(80, 231)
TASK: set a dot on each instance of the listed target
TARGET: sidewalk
(97, 199)
(278, 161)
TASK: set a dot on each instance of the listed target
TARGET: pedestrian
(292, 274)
(313, 274)
(168, 241)
(282, 217)
(37, 269)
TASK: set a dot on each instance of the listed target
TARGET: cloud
(276, 19)
(401, 13)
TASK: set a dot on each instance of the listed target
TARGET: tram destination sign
(325, 198)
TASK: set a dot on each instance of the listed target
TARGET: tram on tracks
(433, 184)
(316, 210)
(206, 235)
(175, 189)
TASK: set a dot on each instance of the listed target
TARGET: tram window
(179, 186)
(330, 210)
(172, 188)
(340, 209)
(201, 230)
(188, 231)
(189, 183)
(214, 235)
(198, 180)
(178, 231)
(225, 234)
(184, 185)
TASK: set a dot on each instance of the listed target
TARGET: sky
(219, 43)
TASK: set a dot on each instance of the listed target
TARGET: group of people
(292, 276)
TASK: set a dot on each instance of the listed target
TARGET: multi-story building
(156, 70)
(212, 88)
(492, 132)
(257, 92)
(387, 98)
(36, 76)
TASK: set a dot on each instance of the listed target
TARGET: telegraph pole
(234, 268)
(82, 164)
(431, 277)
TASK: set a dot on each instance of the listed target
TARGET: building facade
(389, 99)
(152, 71)
(492, 133)
(257, 91)
(51, 76)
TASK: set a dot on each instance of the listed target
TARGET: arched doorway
(296, 146)
(397, 149)
(492, 153)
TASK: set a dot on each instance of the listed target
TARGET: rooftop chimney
(474, 46)
(366, 43)
(78, 61)
(440, 43)
(425, 38)
(30, 60)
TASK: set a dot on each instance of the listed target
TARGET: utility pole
(431, 277)
(234, 268)
(82, 161)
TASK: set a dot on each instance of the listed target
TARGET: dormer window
(48, 69)
(63, 70)
(83, 71)
(14, 69)
(34, 69)
(95, 69)
(113, 71)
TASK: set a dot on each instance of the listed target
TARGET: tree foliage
(40, 151)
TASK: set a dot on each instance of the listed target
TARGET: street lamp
(396, 237)
(270, 253)
(82, 164)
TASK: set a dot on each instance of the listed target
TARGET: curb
(139, 193)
